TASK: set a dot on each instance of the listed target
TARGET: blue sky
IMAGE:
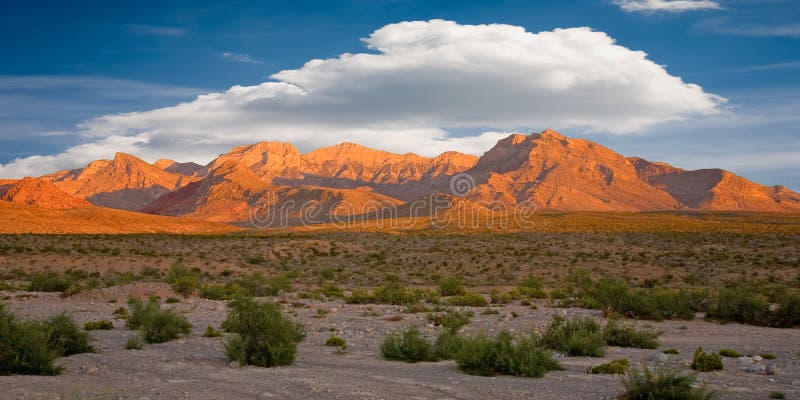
(67, 64)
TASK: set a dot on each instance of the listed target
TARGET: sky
(696, 83)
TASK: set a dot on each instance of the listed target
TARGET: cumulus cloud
(666, 5)
(421, 81)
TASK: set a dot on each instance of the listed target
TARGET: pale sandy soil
(196, 367)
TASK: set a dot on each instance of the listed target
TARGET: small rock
(234, 364)
(771, 369)
(658, 358)
(334, 310)
(745, 360)
(757, 359)
(758, 368)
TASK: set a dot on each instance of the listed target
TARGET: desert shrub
(776, 394)
(172, 300)
(50, 282)
(157, 325)
(393, 292)
(332, 291)
(767, 356)
(258, 285)
(615, 296)
(228, 291)
(787, 315)
(705, 362)
(532, 287)
(729, 353)
(575, 337)
(182, 278)
(447, 344)
(134, 342)
(453, 320)
(359, 296)
(617, 334)
(335, 341)
(65, 337)
(742, 303)
(664, 384)
(263, 337)
(451, 286)
(470, 299)
(752, 303)
(98, 325)
(671, 351)
(614, 367)
(505, 355)
(121, 313)
(410, 345)
(24, 347)
(212, 332)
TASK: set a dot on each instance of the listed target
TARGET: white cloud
(726, 26)
(666, 5)
(421, 81)
(242, 58)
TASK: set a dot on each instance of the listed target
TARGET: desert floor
(196, 367)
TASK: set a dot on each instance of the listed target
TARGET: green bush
(617, 334)
(98, 325)
(182, 279)
(411, 345)
(258, 285)
(24, 347)
(615, 296)
(742, 303)
(50, 282)
(212, 332)
(453, 320)
(451, 287)
(228, 291)
(767, 356)
(575, 337)
(787, 315)
(777, 394)
(447, 344)
(504, 355)
(614, 367)
(65, 337)
(469, 299)
(134, 342)
(671, 351)
(664, 384)
(359, 296)
(705, 362)
(157, 325)
(395, 293)
(263, 337)
(532, 287)
(729, 353)
(335, 341)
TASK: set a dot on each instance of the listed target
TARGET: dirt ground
(196, 367)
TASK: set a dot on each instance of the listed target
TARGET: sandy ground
(196, 367)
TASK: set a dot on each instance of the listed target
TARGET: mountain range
(547, 170)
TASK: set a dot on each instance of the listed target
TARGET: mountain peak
(549, 133)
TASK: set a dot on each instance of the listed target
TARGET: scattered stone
(658, 358)
(234, 364)
(757, 359)
(745, 360)
(771, 369)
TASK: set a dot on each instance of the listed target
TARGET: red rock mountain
(544, 170)
(125, 183)
(41, 193)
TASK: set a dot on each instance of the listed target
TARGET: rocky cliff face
(41, 193)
